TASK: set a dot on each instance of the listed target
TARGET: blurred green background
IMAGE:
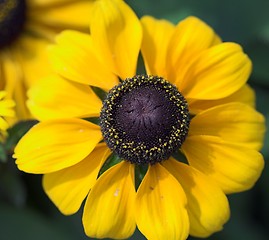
(26, 212)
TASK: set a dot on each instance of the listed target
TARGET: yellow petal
(3, 125)
(3, 94)
(43, 32)
(55, 97)
(235, 122)
(25, 64)
(244, 95)
(31, 54)
(217, 73)
(161, 206)
(46, 3)
(109, 208)
(190, 38)
(68, 187)
(14, 84)
(6, 107)
(66, 15)
(156, 36)
(234, 167)
(208, 207)
(117, 36)
(56, 144)
(74, 57)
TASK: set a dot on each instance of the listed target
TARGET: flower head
(189, 123)
(26, 28)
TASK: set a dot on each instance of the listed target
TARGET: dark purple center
(146, 113)
(144, 119)
(12, 19)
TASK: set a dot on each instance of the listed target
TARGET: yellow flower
(6, 110)
(194, 99)
(26, 27)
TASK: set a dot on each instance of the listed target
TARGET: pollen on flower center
(144, 119)
(12, 18)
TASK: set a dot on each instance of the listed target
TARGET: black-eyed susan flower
(6, 111)
(189, 123)
(26, 27)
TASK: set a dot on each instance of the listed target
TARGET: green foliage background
(27, 213)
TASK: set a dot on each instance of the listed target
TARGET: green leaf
(99, 92)
(140, 172)
(111, 161)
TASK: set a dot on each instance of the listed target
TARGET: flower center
(12, 18)
(144, 119)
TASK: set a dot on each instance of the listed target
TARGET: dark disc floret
(12, 18)
(144, 119)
